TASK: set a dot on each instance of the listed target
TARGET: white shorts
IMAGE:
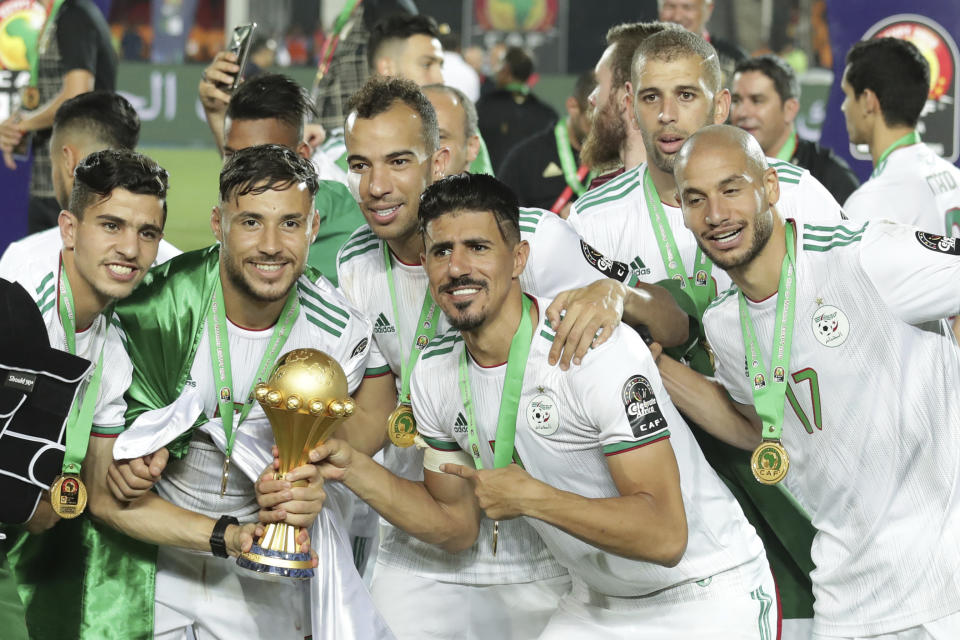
(214, 598)
(945, 628)
(724, 607)
(418, 608)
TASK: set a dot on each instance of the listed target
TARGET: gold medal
(30, 97)
(401, 427)
(68, 496)
(770, 462)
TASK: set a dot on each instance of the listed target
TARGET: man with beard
(676, 90)
(544, 170)
(595, 460)
(241, 303)
(394, 154)
(830, 323)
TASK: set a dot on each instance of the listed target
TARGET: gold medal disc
(30, 97)
(401, 427)
(68, 496)
(770, 462)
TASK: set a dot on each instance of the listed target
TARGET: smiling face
(471, 266)
(112, 244)
(264, 240)
(692, 15)
(389, 168)
(727, 203)
(674, 100)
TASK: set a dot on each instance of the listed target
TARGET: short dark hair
(103, 115)
(782, 75)
(471, 120)
(584, 86)
(672, 44)
(519, 62)
(265, 166)
(97, 175)
(272, 96)
(896, 72)
(399, 26)
(378, 95)
(472, 192)
(627, 37)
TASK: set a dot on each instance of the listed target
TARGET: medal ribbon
(510, 398)
(788, 148)
(80, 418)
(700, 293)
(220, 357)
(426, 327)
(769, 395)
(567, 163)
(35, 58)
(911, 138)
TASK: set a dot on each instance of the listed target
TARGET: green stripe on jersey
(528, 229)
(107, 431)
(763, 618)
(376, 371)
(608, 188)
(731, 290)
(787, 166)
(830, 237)
(440, 347)
(442, 445)
(44, 282)
(320, 323)
(620, 447)
(42, 300)
(47, 306)
(616, 196)
(838, 229)
(546, 334)
(367, 248)
(357, 239)
(332, 307)
(832, 245)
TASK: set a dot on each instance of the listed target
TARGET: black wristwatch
(217, 544)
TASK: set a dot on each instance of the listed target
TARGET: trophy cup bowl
(305, 399)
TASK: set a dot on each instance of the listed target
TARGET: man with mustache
(394, 153)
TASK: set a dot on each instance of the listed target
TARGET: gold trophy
(305, 399)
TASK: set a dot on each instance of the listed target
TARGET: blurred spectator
(456, 71)
(407, 46)
(511, 112)
(535, 168)
(131, 43)
(298, 47)
(457, 125)
(693, 15)
(474, 56)
(263, 53)
(766, 100)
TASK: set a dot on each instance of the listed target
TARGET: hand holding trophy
(304, 399)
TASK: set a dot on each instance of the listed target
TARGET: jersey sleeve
(560, 260)
(108, 416)
(620, 391)
(376, 363)
(76, 39)
(427, 402)
(916, 273)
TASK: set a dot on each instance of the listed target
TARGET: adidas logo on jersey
(382, 325)
(460, 426)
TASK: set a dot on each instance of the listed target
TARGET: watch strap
(217, 544)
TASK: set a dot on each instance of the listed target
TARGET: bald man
(826, 313)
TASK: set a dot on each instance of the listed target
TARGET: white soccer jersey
(49, 241)
(567, 422)
(38, 271)
(330, 158)
(871, 421)
(554, 266)
(614, 220)
(913, 186)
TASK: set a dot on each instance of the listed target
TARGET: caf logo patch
(641, 407)
(778, 374)
(830, 326)
(422, 342)
(759, 382)
(603, 264)
(543, 415)
(940, 244)
(225, 394)
(360, 348)
(701, 278)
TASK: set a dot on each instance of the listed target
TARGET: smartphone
(240, 43)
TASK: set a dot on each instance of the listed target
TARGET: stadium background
(566, 35)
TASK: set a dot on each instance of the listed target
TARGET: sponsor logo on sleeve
(360, 348)
(641, 406)
(606, 266)
(939, 244)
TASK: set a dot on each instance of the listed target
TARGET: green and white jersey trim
(360, 242)
(320, 311)
(786, 172)
(824, 238)
(613, 190)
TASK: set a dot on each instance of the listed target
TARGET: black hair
(782, 75)
(105, 116)
(97, 175)
(378, 95)
(673, 44)
(265, 166)
(627, 37)
(272, 96)
(471, 122)
(472, 192)
(896, 72)
(519, 62)
(399, 26)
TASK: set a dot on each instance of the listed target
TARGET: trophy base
(277, 563)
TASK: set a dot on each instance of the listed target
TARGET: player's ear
(68, 229)
(771, 186)
(216, 223)
(520, 256)
(721, 107)
(790, 110)
(303, 150)
(441, 159)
